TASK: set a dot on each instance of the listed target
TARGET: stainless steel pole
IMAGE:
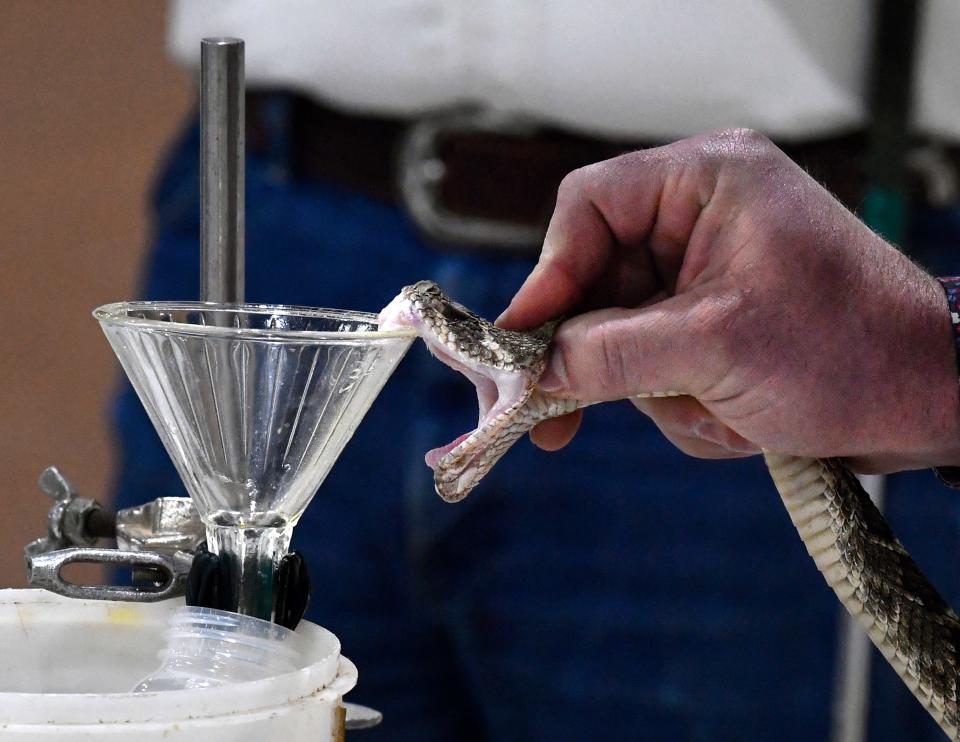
(247, 565)
(222, 149)
(851, 692)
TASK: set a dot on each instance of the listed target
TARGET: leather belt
(477, 179)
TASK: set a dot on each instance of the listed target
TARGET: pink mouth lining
(432, 457)
(496, 390)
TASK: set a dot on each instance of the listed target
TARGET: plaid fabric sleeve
(950, 475)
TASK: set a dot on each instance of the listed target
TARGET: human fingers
(577, 245)
(694, 429)
(625, 220)
(554, 434)
(678, 344)
(703, 449)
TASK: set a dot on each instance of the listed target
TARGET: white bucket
(67, 667)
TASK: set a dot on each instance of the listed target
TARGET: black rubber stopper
(208, 584)
(292, 590)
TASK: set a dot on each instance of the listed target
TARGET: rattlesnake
(850, 541)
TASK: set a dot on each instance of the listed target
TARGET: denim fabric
(617, 589)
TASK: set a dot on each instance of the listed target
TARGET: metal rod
(222, 150)
(851, 692)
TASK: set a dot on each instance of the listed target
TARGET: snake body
(850, 542)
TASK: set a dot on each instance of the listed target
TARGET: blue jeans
(617, 589)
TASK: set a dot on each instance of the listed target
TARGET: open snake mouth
(497, 389)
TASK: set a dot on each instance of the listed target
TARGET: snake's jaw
(501, 393)
(456, 489)
(399, 314)
(469, 458)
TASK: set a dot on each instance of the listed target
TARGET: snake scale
(851, 543)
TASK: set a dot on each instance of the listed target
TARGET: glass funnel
(254, 403)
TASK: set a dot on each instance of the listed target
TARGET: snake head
(503, 365)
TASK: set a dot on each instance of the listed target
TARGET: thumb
(673, 345)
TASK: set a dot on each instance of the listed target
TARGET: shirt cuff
(950, 475)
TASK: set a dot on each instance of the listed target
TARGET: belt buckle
(421, 171)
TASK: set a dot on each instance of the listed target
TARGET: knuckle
(744, 140)
(571, 186)
(724, 325)
(739, 146)
(613, 358)
(589, 179)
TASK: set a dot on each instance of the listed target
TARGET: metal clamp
(69, 519)
(156, 542)
(166, 525)
(421, 172)
(167, 574)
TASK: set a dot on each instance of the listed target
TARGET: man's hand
(717, 268)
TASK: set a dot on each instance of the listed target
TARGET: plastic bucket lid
(70, 662)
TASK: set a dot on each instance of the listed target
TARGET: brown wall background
(87, 101)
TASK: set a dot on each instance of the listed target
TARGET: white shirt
(644, 69)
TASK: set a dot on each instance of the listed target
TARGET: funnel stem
(251, 555)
